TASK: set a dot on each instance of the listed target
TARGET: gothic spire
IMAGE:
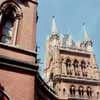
(54, 26)
(86, 36)
(69, 35)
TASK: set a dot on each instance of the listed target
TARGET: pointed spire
(69, 39)
(86, 36)
(54, 27)
(69, 34)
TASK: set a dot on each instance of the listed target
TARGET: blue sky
(69, 14)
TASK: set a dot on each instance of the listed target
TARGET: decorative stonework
(12, 3)
(72, 64)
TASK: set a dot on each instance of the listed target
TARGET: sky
(69, 14)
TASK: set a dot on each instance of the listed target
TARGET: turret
(52, 53)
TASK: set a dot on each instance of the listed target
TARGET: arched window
(76, 64)
(68, 62)
(64, 91)
(89, 91)
(68, 65)
(7, 22)
(81, 91)
(83, 67)
(83, 64)
(72, 90)
(10, 14)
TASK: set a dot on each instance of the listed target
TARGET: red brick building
(19, 77)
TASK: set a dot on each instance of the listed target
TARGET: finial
(86, 36)
(54, 27)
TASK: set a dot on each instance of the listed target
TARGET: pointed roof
(69, 34)
(54, 26)
(86, 36)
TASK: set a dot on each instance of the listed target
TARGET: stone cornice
(75, 52)
(76, 80)
(19, 50)
(17, 66)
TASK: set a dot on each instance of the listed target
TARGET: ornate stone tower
(71, 67)
(18, 49)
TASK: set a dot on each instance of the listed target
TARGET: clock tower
(18, 65)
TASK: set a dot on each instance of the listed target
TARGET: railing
(77, 97)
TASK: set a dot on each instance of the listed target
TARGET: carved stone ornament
(14, 4)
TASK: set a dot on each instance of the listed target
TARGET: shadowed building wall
(18, 66)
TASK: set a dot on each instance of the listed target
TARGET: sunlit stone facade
(71, 68)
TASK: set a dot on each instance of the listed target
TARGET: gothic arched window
(68, 62)
(9, 14)
(72, 90)
(76, 63)
(81, 91)
(83, 67)
(68, 65)
(83, 64)
(89, 91)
